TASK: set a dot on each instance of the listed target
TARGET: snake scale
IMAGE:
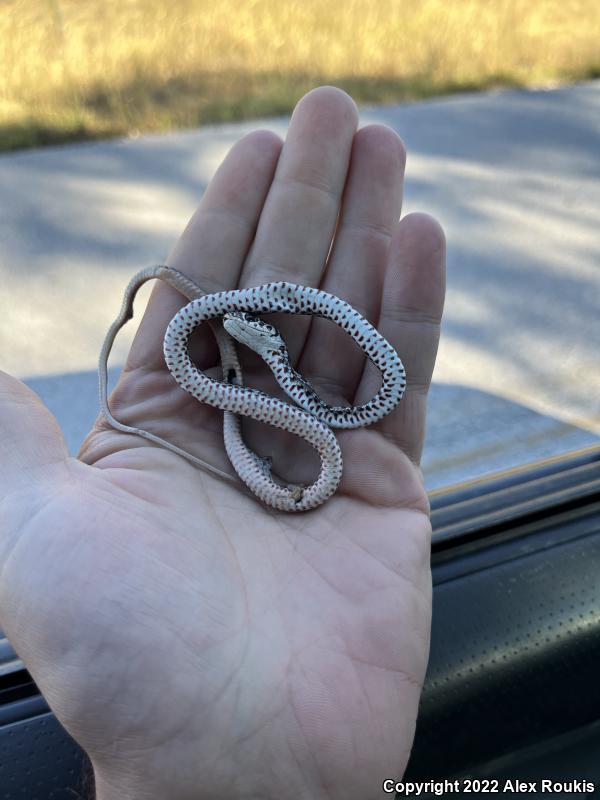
(233, 316)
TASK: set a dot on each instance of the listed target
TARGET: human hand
(195, 643)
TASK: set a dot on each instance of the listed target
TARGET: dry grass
(78, 69)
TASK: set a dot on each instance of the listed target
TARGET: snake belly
(314, 421)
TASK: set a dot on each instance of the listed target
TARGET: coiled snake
(313, 420)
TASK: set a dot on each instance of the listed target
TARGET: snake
(234, 317)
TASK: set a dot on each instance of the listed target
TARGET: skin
(195, 643)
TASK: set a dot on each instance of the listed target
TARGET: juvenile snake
(313, 421)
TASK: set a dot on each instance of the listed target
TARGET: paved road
(513, 176)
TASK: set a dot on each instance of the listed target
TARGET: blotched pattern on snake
(310, 418)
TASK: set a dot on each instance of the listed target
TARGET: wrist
(110, 790)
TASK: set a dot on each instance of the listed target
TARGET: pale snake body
(313, 422)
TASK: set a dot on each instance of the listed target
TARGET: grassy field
(83, 69)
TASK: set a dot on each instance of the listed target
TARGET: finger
(411, 312)
(213, 246)
(355, 272)
(31, 441)
(298, 221)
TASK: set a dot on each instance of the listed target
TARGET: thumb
(31, 440)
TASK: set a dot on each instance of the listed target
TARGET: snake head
(252, 331)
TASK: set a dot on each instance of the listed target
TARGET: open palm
(195, 643)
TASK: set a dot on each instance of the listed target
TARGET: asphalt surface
(514, 178)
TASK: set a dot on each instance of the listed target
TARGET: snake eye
(250, 317)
